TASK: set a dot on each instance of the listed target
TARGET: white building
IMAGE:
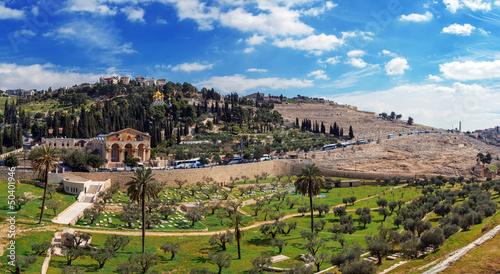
(125, 80)
(109, 80)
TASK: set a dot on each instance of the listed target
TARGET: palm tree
(143, 186)
(236, 221)
(310, 182)
(45, 159)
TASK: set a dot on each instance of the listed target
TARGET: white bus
(330, 146)
(195, 162)
(361, 142)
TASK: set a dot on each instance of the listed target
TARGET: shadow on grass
(260, 242)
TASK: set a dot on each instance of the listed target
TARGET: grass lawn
(483, 259)
(23, 248)
(32, 208)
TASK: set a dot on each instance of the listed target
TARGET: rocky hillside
(365, 124)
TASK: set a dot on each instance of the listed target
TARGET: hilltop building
(114, 80)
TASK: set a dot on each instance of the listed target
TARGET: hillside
(429, 153)
(365, 124)
(425, 154)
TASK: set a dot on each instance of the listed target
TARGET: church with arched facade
(120, 144)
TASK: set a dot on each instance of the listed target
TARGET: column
(121, 156)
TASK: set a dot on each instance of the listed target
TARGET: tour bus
(187, 163)
(330, 146)
(361, 142)
(236, 160)
(390, 136)
(345, 144)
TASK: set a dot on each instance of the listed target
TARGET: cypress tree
(351, 133)
(179, 136)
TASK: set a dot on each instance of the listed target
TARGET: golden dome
(158, 95)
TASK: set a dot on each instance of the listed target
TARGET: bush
(449, 229)
(433, 238)
(11, 161)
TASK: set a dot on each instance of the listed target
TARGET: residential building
(161, 82)
(109, 80)
(125, 80)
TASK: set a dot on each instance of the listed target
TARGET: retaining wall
(218, 173)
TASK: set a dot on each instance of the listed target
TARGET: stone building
(118, 145)
(113, 147)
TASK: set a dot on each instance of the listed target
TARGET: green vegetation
(334, 233)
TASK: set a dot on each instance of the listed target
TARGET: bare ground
(365, 125)
(429, 154)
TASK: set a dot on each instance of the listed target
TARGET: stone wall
(218, 173)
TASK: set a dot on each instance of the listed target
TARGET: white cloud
(352, 77)
(414, 17)
(474, 5)
(188, 67)
(388, 53)
(256, 70)
(202, 14)
(278, 21)
(458, 29)
(356, 53)
(91, 35)
(40, 76)
(134, 14)
(318, 74)
(357, 62)
(321, 42)
(256, 39)
(470, 70)
(396, 66)
(25, 33)
(452, 5)
(161, 21)
(434, 78)
(93, 6)
(331, 60)
(8, 13)
(249, 50)
(319, 10)
(241, 84)
(434, 105)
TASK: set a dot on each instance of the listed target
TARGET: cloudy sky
(436, 61)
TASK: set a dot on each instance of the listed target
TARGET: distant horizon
(436, 61)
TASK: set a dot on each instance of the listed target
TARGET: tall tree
(351, 133)
(237, 223)
(143, 186)
(45, 159)
(310, 182)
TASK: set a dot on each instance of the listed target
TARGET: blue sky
(437, 61)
